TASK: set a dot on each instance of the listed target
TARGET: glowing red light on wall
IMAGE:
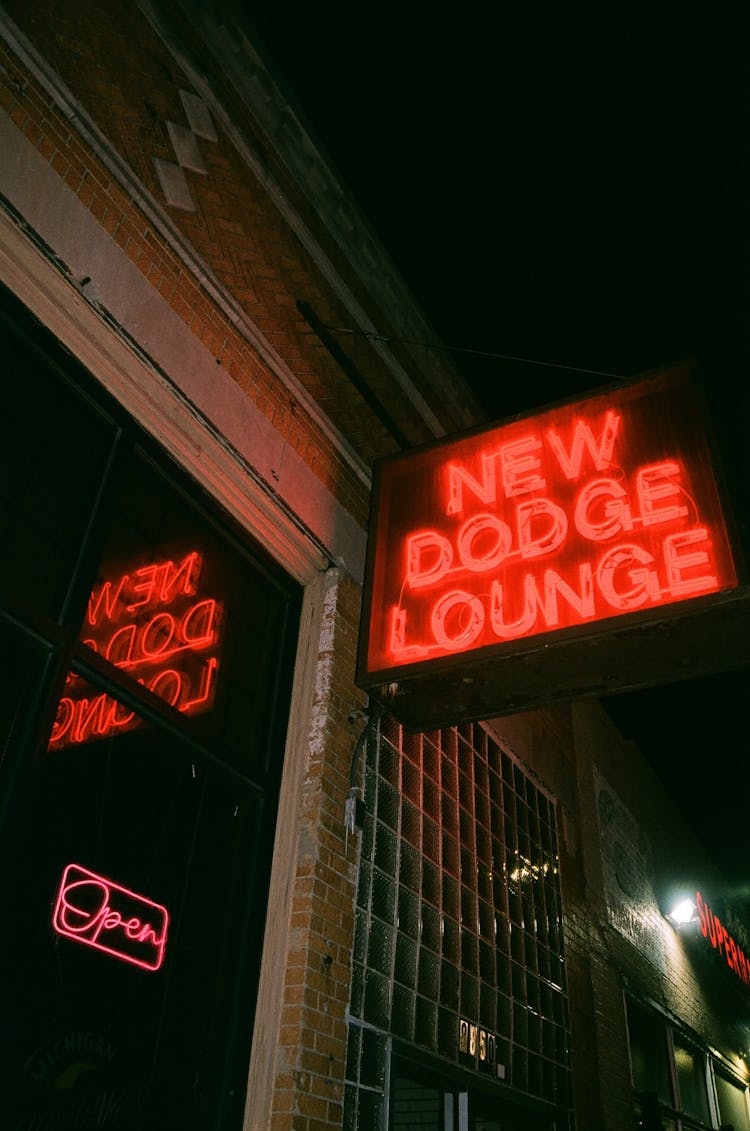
(109, 917)
(600, 509)
(151, 623)
(714, 931)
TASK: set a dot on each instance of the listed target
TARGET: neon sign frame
(85, 912)
(568, 524)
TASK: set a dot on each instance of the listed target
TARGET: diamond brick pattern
(184, 138)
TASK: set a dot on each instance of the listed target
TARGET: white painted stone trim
(164, 377)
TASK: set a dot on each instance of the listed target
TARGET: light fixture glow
(683, 912)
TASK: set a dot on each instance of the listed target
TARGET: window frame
(157, 403)
(712, 1066)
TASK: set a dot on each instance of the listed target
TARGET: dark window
(54, 457)
(649, 1053)
(690, 1066)
(148, 653)
(671, 1076)
(732, 1099)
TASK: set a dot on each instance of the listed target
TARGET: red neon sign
(716, 933)
(107, 916)
(585, 512)
(150, 622)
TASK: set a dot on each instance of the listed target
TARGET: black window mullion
(110, 679)
(84, 570)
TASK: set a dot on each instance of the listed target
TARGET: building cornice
(271, 109)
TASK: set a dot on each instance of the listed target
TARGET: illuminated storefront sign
(151, 623)
(717, 935)
(100, 913)
(601, 509)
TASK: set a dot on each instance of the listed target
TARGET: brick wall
(415, 1106)
(618, 929)
(312, 1053)
(132, 88)
(30, 108)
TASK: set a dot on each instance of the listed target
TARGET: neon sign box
(508, 541)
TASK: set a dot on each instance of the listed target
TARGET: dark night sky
(564, 184)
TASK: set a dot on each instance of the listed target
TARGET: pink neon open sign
(107, 916)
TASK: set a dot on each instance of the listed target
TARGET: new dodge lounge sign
(536, 534)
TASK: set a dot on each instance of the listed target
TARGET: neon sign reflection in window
(107, 916)
(153, 624)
